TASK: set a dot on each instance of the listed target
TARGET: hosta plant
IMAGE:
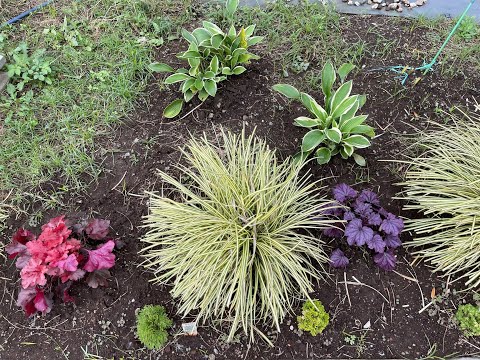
(364, 223)
(51, 262)
(442, 184)
(334, 128)
(212, 56)
(237, 245)
(152, 326)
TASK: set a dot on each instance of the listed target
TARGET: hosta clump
(365, 223)
(238, 247)
(335, 127)
(152, 326)
(51, 262)
(212, 55)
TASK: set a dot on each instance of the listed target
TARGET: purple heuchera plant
(367, 224)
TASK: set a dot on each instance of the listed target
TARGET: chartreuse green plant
(334, 128)
(468, 318)
(212, 55)
(152, 326)
(314, 318)
(442, 183)
(238, 246)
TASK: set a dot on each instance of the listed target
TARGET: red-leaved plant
(50, 263)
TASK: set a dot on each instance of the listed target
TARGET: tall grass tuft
(443, 184)
(239, 247)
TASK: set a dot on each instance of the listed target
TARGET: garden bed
(381, 320)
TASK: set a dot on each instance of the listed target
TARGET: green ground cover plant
(314, 318)
(442, 185)
(152, 326)
(243, 226)
(334, 128)
(468, 318)
(212, 55)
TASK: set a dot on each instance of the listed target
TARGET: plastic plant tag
(190, 328)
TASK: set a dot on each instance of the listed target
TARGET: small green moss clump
(152, 325)
(314, 318)
(468, 317)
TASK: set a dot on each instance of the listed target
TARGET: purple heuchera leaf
(362, 209)
(374, 219)
(98, 278)
(97, 229)
(348, 216)
(385, 260)
(392, 225)
(376, 243)
(334, 232)
(369, 197)
(338, 259)
(358, 234)
(343, 192)
(392, 241)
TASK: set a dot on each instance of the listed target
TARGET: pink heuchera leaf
(97, 229)
(74, 276)
(33, 273)
(101, 258)
(22, 261)
(98, 278)
(23, 236)
(15, 248)
(69, 264)
(42, 303)
(25, 300)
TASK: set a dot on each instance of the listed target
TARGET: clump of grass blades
(239, 246)
(443, 183)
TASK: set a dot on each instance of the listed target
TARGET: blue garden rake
(406, 71)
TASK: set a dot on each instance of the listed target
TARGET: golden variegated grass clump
(443, 184)
(239, 246)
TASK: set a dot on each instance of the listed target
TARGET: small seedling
(152, 325)
(314, 318)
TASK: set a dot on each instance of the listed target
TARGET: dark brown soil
(103, 320)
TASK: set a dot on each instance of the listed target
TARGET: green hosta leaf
(232, 6)
(243, 58)
(189, 37)
(159, 67)
(334, 135)
(344, 70)
(201, 35)
(323, 155)
(347, 149)
(364, 130)
(217, 40)
(288, 90)
(362, 99)
(232, 33)
(212, 28)
(346, 105)
(328, 78)
(359, 159)
(187, 84)
(312, 106)
(312, 139)
(227, 71)
(190, 54)
(188, 95)
(249, 30)
(357, 141)
(239, 70)
(173, 109)
(209, 75)
(214, 64)
(199, 83)
(306, 122)
(174, 78)
(341, 94)
(349, 114)
(349, 124)
(254, 40)
(211, 87)
(202, 95)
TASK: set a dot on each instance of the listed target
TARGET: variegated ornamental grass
(443, 184)
(239, 246)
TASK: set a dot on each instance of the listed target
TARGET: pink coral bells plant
(50, 263)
